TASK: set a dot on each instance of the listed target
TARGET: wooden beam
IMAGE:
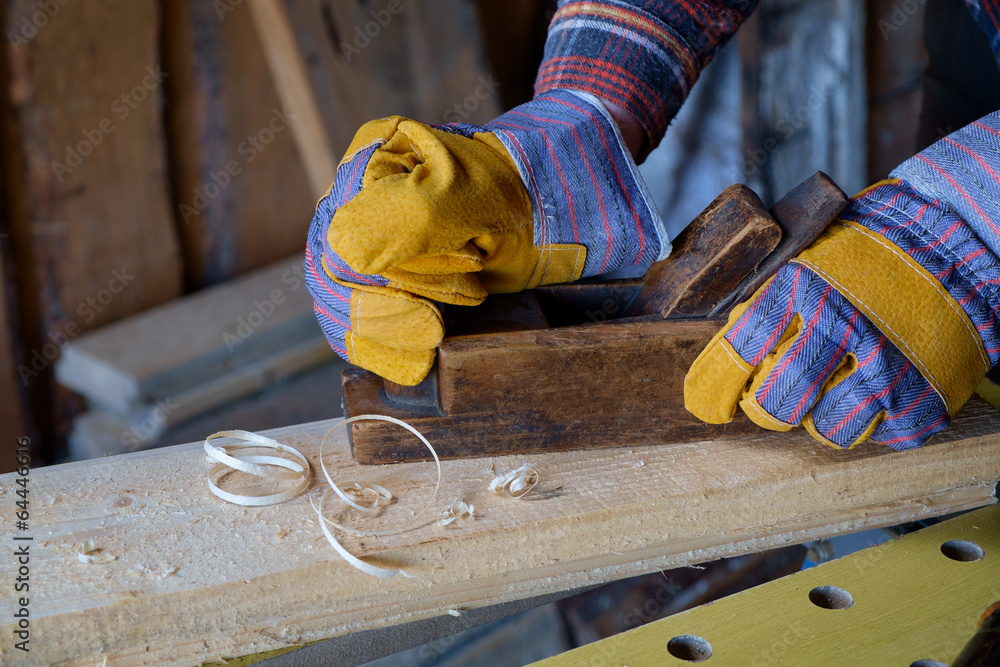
(193, 340)
(183, 577)
(242, 195)
(291, 80)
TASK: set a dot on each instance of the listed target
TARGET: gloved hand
(884, 326)
(545, 193)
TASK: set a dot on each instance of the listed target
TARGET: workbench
(172, 575)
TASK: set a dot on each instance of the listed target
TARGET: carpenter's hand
(881, 329)
(418, 214)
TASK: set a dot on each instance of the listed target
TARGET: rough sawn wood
(190, 578)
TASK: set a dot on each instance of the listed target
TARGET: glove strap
(906, 303)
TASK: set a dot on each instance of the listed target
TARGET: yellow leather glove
(420, 214)
(881, 329)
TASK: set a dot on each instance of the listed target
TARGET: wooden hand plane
(592, 363)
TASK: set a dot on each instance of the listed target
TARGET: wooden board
(291, 81)
(910, 603)
(379, 58)
(243, 197)
(191, 341)
(91, 218)
(195, 579)
(99, 432)
(227, 115)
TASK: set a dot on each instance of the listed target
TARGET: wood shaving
(266, 467)
(380, 498)
(516, 483)
(455, 612)
(458, 509)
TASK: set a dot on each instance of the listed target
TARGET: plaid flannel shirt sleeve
(643, 55)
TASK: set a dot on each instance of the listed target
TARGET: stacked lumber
(146, 373)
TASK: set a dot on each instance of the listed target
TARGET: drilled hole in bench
(963, 550)
(831, 597)
(690, 648)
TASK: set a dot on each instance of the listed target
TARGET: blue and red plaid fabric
(583, 184)
(331, 300)
(963, 169)
(884, 380)
(645, 55)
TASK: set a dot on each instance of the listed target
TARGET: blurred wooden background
(146, 153)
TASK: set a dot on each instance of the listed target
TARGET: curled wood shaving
(379, 495)
(458, 509)
(266, 467)
(516, 483)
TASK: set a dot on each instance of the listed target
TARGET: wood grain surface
(189, 578)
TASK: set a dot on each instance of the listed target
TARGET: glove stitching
(913, 356)
(742, 366)
(348, 158)
(545, 250)
(752, 401)
(357, 311)
(962, 316)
